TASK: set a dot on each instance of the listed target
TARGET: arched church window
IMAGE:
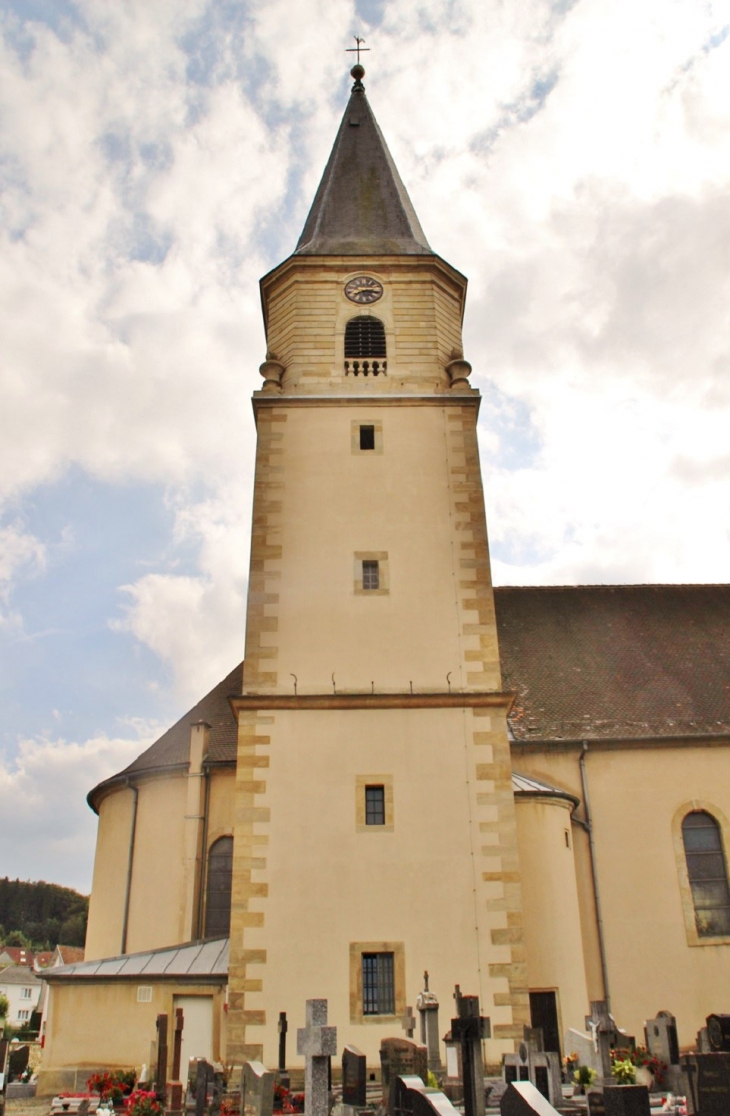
(365, 352)
(707, 873)
(218, 891)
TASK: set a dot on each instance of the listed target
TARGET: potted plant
(584, 1076)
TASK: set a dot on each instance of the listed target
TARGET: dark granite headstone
(596, 1104)
(354, 1077)
(401, 1058)
(626, 1100)
(708, 1083)
(523, 1099)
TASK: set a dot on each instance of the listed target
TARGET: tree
(4, 1008)
(17, 938)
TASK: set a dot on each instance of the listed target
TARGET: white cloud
(44, 819)
(21, 555)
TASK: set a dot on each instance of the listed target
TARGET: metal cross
(358, 48)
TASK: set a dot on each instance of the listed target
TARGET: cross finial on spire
(358, 48)
(357, 71)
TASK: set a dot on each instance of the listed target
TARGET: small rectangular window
(378, 989)
(144, 993)
(26, 993)
(24, 1014)
(374, 805)
(367, 437)
(370, 574)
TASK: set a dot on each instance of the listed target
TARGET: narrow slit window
(370, 574)
(367, 437)
(707, 873)
(374, 805)
(378, 988)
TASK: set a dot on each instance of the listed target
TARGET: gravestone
(605, 1036)
(257, 1090)
(174, 1086)
(354, 1077)
(408, 1022)
(318, 1043)
(427, 1006)
(412, 1098)
(626, 1100)
(662, 1042)
(708, 1083)
(282, 1076)
(532, 1063)
(595, 1102)
(161, 1073)
(582, 1045)
(400, 1058)
(204, 1074)
(521, 1098)
(469, 1028)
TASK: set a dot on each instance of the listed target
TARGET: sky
(572, 158)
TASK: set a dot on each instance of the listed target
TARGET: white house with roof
(23, 990)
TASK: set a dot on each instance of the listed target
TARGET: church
(522, 791)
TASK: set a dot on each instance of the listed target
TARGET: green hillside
(41, 915)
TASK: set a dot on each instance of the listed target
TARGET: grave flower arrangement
(639, 1058)
(143, 1102)
(114, 1086)
(287, 1102)
(584, 1076)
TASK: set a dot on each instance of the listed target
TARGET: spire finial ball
(357, 72)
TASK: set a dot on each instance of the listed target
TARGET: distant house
(23, 990)
(16, 955)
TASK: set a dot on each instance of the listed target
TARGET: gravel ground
(27, 1106)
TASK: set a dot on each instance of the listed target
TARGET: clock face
(364, 290)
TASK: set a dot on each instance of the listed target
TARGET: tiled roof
(69, 955)
(628, 661)
(586, 662)
(173, 747)
(18, 955)
(195, 961)
(361, 207)
(17, 974)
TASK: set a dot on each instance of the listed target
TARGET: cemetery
(605, 1073)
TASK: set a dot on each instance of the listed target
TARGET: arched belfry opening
(365, 351)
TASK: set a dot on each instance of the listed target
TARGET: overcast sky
(158, 156)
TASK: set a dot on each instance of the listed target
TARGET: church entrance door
(197, 1029)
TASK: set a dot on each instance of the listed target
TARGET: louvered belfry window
(707, 873)
(365, 350)
(218, 891)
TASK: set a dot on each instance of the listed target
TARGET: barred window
(374, 805)
(707, 873)
(364, 337)
(370, 574)
(218, 891)
(378, 989)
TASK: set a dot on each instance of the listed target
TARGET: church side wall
(636, 793)
(552, 919)
(108, 889)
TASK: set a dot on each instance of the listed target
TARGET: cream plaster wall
(635, 792)
(338, 504)
(108, 888)
(328, 884)
(550, 904)
(102, 1026)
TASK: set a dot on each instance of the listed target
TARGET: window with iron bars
(370, 574)
(374, 805)
(378, 987)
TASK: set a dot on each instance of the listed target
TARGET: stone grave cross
(408, 1022)
(603, 1032)
(428, 1008)
(175, 1090)
(468, 1029)
(318, 1043)
(161, 1075)
(283, 1027)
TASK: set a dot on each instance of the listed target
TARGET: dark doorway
(544, 1014)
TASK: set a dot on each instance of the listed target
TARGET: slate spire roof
(361, 207)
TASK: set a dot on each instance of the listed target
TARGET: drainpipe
(204, 861)
(588, 826)
(130, 862)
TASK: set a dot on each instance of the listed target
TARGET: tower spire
(361, 207)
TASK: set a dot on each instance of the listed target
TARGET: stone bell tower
(374, 814)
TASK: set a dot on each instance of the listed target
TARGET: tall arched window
(707, 873)
(365, 346)
(218, 890)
